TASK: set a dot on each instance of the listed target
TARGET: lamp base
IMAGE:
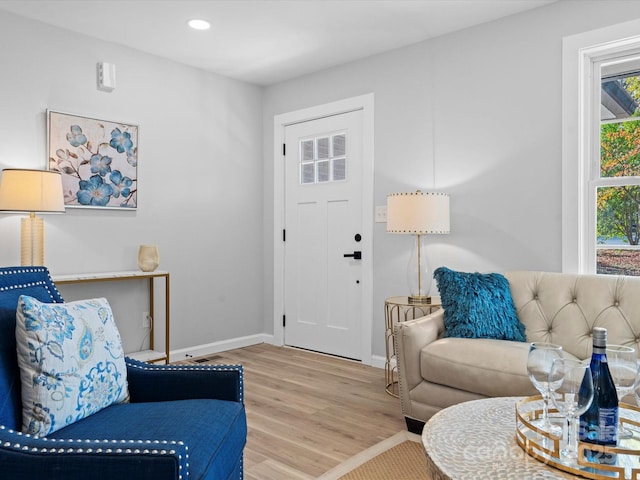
(420, 299)
(32, 241)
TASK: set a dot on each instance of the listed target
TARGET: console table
(150, 355)
(399, 309)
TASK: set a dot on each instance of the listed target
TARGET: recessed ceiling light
(199, 24)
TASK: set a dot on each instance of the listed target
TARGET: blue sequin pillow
(71, 362)
(478, 306)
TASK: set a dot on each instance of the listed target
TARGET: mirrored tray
(546, 447)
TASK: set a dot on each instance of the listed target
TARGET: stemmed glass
(571, 389)
(623, 366)
(636, 390)
(539, 361)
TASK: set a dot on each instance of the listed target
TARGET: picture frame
(98, 160)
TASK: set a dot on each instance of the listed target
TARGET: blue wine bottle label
(605, 433)
(608, 426)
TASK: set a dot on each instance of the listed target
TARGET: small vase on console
(148, 258)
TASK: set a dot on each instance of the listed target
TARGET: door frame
(364, 103)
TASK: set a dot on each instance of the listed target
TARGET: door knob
(355, 255)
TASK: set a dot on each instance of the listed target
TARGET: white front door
(323, 220)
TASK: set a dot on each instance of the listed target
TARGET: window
(590, 62)
(615, 176)
(323, 159)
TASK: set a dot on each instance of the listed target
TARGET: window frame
(594, 161)
(582, 54)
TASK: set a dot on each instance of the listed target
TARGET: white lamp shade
(31, 191)
(418, 213)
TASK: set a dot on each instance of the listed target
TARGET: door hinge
(284, 235)
(284, 320)
(284, 149)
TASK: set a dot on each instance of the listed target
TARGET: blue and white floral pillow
(71, 362)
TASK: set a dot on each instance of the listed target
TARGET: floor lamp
(31, 191)
(418, 213)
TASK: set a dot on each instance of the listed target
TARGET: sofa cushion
(15, 281)
(478, 306)
(213, 430)
(71, 362)
(494, 368)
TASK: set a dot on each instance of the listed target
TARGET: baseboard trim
(377, 361)
(222, 346)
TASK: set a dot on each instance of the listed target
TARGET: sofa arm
(25, 457)
(410, 338)
(159, 383)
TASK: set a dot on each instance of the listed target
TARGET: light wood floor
(308, 412)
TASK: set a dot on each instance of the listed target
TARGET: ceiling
(266, 41)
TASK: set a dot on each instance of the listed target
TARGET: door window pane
(308, 173)
(323, 159)
(323, 171)
(323, 147)
(339, 170)
(306, 150)
(339, 145)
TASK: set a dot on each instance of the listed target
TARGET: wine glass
(636, 390)
(622, 361)
(571, 391)
(539, 361)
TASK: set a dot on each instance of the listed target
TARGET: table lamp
(418, 213)
(31, 191)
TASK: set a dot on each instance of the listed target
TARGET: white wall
(200, 177)
(477, 114)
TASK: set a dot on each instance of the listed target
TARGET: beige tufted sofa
(436, 372)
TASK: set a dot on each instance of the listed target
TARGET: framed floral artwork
(98, 160)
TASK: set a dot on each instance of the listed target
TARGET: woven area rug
(399, 457)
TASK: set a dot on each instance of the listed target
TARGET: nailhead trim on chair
(102, 450)
(219, 368)
(32, 284)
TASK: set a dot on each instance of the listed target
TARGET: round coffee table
(477, 440)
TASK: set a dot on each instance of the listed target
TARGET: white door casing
(363, 104)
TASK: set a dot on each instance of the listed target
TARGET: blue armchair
(182, 421)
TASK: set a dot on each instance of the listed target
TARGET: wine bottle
(599, 424)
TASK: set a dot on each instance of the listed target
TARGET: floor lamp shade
(31, 191)
(418, 213)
